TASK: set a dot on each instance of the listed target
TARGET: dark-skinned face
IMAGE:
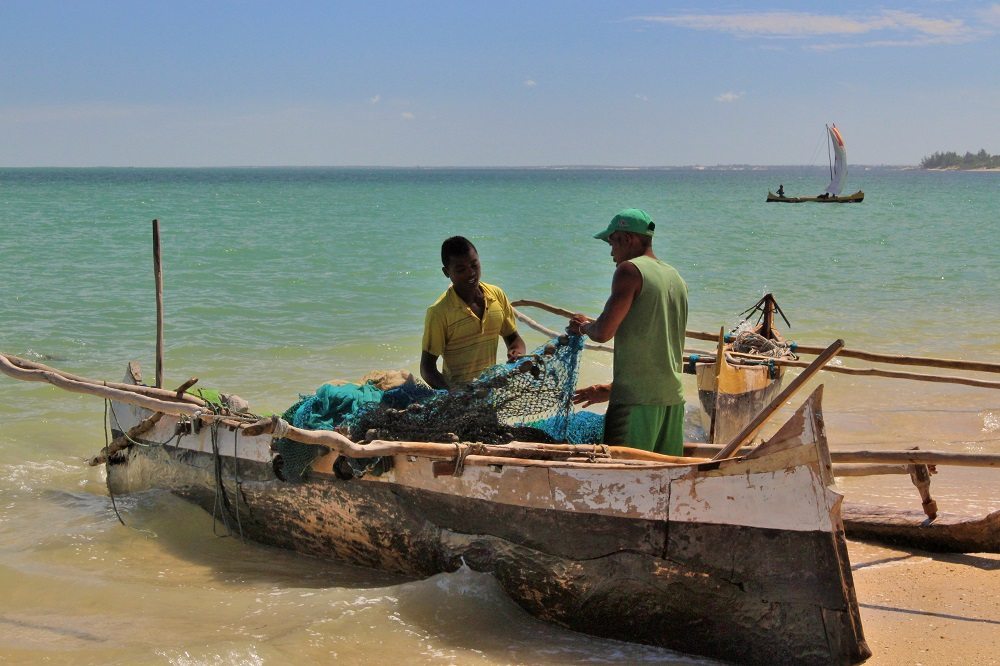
(624, 246)
(464, 271)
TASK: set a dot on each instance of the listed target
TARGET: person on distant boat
(465, 323)
(646, 314)
(781, 190)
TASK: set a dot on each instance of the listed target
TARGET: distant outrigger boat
(838, 175)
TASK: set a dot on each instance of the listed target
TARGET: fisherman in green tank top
(646, 315)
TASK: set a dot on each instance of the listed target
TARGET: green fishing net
(529, 399)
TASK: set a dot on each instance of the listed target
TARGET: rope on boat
(748, 342)
(219, 507)
(280, 427)
(224, 507)
(464, 451)
(107, 477)
(236, 480)
(594, 454)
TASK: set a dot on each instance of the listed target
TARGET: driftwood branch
(150, 391)
(926, 361)
(893, 457)
(709, 357)
(342, 445)
(89, 387)
(555, 334)
(918, 457)
(930, 362)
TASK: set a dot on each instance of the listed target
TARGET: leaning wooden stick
(776, 404)
(125, 440)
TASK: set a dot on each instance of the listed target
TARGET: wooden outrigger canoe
(945, 532)
(742, 558)
(857, 197)
(927, 529)
(732, 388)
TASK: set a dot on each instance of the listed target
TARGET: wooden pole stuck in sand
(158, 275)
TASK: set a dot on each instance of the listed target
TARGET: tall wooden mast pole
(158, 275)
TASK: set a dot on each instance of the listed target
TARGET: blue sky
(442, 83)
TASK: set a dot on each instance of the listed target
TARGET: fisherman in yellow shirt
(466, 322)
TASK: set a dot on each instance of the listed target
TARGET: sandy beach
(928, 608)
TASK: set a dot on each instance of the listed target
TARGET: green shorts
(658, 428)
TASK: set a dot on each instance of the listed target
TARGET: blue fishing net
(529, 399)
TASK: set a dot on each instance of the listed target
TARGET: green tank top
(649, 343)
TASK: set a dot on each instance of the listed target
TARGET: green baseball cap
(634, 220)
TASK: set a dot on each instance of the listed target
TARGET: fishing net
(527, 400)
(748, 342)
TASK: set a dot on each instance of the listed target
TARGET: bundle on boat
(529, 400)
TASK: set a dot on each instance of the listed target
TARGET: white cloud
(406, 115)
(530, 83)
(729, 97)
(376, 99)
(641, 97)
(887, 28)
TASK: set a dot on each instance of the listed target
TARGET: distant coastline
(952, 161)
(958, 168)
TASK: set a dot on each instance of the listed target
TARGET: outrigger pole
(158, 276)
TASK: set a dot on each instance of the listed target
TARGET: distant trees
(952, 160)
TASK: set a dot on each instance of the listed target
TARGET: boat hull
(731, 396)
(742, 560)
(857, 197)
(947, 533)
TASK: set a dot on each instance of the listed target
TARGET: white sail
(839, 172)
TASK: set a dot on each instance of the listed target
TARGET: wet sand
(928, 608)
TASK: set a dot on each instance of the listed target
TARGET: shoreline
(927, 608)
(977, 169)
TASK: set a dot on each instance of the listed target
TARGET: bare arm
(429, 371)
(625, 286)
(515, 346)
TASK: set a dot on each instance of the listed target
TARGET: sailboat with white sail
(838, 176)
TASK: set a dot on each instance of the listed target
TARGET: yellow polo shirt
(467, 343)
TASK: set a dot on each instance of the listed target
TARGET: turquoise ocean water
(277, 280)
